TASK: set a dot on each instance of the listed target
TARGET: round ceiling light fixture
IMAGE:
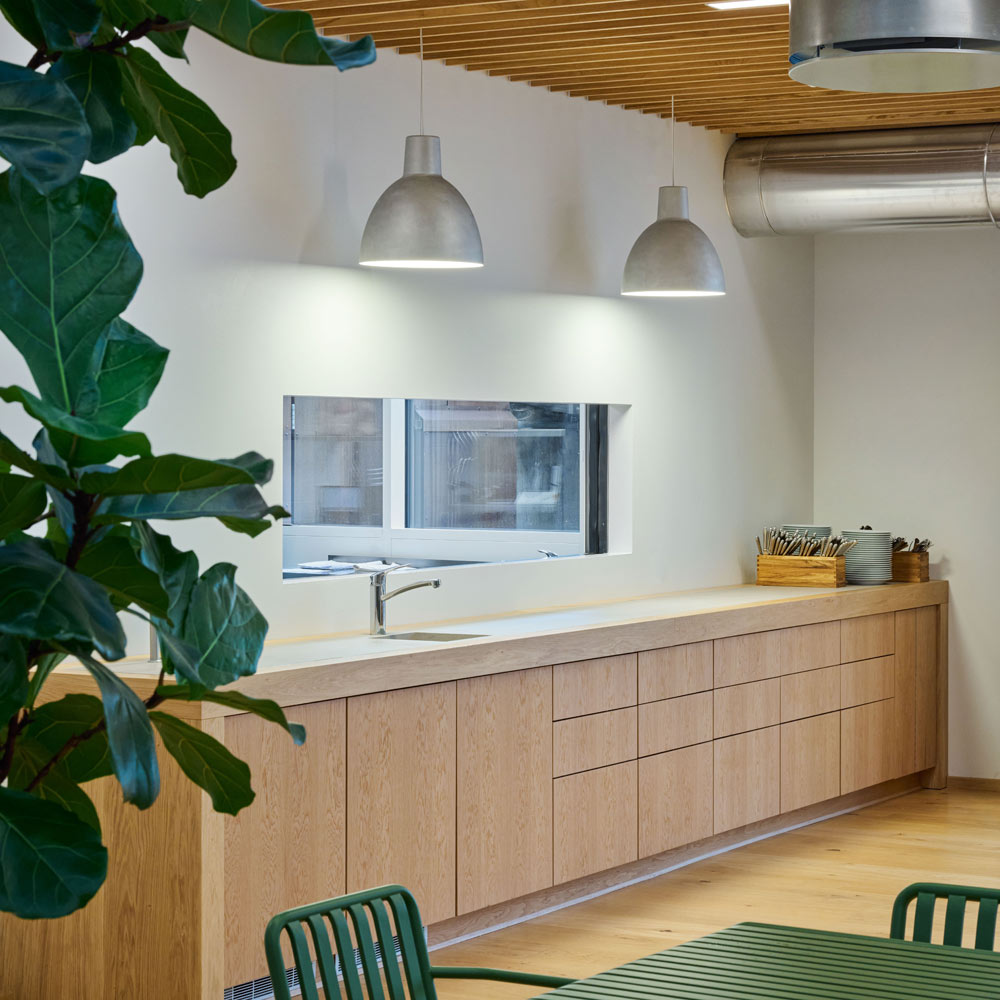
(895, 46)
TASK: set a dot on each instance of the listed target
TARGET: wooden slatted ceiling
(728, 70)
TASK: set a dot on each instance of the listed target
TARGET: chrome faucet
(377, 620)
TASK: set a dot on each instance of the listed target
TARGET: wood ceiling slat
(727, 70)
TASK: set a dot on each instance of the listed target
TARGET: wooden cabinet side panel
(401, 753)
(866, 637)
(589, 686)
(676, 800)
(744, 707)
(905, 659)
(868, 750)
(927, 685)
(743, 658)
(675, 670)
(504, 787)
(595, 819)
(676, 722)
(747, 778)
(810, 761)
(809, 647)
(288, 847)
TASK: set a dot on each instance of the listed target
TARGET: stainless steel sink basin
(430, 636)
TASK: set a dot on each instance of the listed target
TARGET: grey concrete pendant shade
(673, 257)
(421, 221)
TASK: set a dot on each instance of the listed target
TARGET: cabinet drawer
(590, 741)
(869, 751)
(676, 722)
(868, 680)
(675, 671)
(589, 686)
(867, 637)
(810, 761)
(811, 693)
(743, 658)
(595, 820)
(675, 799)
(747, 706)
(746, 778)
(809, 647)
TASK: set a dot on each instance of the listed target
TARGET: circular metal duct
(895, 46)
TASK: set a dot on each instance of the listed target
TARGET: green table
(765, 962)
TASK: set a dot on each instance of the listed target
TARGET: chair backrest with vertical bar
(926, 895)
(341, 929)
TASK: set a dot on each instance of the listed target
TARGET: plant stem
(13, 728)
(119, 42)
(70, 744)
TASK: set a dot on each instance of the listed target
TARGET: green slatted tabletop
(765, 962)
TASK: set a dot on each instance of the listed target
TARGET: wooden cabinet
(589, 686)
(867, 637)
(595, 820)
(743, 658)
(744, 707)
(869, 751)
(676, 799)
(675, 671)
(504, 786)
(676, 722)
(810, 761)
(808, 647)
(867, 680)
(287, 847)
(928, 686)
(401, 787)
(590, 741)
(746, 778)
(811, 693)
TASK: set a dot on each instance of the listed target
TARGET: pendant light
(421, 221)
(673, 257)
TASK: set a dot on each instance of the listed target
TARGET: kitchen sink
(431, 636)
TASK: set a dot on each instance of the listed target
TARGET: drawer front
(809, 647)
(677, 722)
(675, 799)
(589, 686)
(811, 693)
(746, 778)
(810, 761)
(591, 741)
(743, 658)
(747, 706)
(675, 671)
(595, 821)
(868, 680)
(867, 637)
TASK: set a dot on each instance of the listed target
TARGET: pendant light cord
(421, 81)
(673, 157)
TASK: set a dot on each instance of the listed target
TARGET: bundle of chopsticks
(778, 542)
(900, 544)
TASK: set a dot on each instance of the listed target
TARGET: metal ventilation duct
(895, 46)
(850, 181)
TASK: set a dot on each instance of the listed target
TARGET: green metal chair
(926, 895)
(351, 919)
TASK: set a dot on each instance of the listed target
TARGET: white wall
(908, 432)
(256, 292)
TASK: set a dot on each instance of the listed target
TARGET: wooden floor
(841, 874)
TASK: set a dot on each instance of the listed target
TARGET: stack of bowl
(870, 561)
(819, 530)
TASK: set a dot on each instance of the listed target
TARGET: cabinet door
(676, 800)
(743, 658)
(867, 637)
(743, 707)
(287, 847)
(595, 817)
(401, 794)
(675, 670)
(504, 786)
(599, 685)
(869, 751)
(814, 692)
(590, 741)
(809, 647)
(747, 778)
(867, 680)
(810, 761)
(675, 723)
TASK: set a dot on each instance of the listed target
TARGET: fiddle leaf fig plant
(81, 541)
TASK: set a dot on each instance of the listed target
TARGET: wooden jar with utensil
(911, 567)
(801, 571)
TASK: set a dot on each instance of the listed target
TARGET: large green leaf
(46, 664)
(67, 269)
(207, 762)
(170, 43)
(95, 79)
(254, 526)
(225, 501)
(22, 501)
(13, 676)
(287, 36)
(177, 571)
(51, 862)
(21, 15)
(56, 722)
(77, 440)
(263, 707)
(67, 24)
(199, 143)
(41, 598)
(115, 565)
(43, 131)
(130, 736)
(48, 473)
(166, 474)
(57, 786)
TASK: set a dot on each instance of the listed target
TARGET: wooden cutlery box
(801, 571)
(911, 567)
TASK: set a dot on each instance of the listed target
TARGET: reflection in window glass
(336, 456)
(499, 466)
